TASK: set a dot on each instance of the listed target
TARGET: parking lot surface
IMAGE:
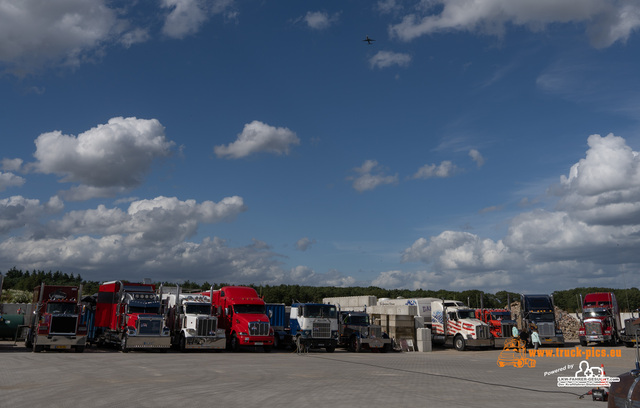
(253, 378)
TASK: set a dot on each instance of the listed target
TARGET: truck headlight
(165, 331)
(131, 331)
(191, 332)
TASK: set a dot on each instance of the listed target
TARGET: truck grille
(321, 330)
(150, 327)
(593, 328)
(64, 325)
(258, 328)
(206, 326)
(546, 329)
(375, 332)
(482, 332)
(507, 329)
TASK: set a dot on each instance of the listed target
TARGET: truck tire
(79, 349)
(330, 349)
(356, 346)
(234, 345)
(459, 343)
(36, 348)
(123, 344)
(276, 341)
(28, 341)
(182, 344)
(583, 343)
(267, 348)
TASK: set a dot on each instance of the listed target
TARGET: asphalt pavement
(253, 378)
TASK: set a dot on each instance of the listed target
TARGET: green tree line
(628, 299)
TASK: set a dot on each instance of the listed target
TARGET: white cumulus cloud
(606, 21)
(370, 176)
(443, 170)
(385, 59)
(259, 137)
(116, 155)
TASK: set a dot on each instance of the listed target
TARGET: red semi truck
(130, 315)
(243, 317)
(56, 322)
(499, 321)
(600, 319)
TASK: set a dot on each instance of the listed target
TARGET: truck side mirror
(270, 314)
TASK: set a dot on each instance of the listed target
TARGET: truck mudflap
(204, 343)
(148, 342)
(61, 342)
(480, 342)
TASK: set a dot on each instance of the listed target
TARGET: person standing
(535, 339)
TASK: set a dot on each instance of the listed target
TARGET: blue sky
(476, 144)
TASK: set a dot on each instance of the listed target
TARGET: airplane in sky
(368, 40)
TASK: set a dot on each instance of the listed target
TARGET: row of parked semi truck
(141, 316)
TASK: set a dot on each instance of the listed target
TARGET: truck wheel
(583, 343)
(234, 345)
(331, 349)
(459, 343)
(182, 345)
(123, 344)
(267, 348)
(276, 341)
(36, 348)
(355, 345)
(28, 342)
(300, 346)
(79, 349)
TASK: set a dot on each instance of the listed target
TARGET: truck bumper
(480, 342)
(61, 342)
(600, 338)
(255, 340)
(555, 340)
(134, 342)
(375, 343)
(205, 343)
(318, 343)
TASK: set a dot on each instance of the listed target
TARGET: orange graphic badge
(514, 354)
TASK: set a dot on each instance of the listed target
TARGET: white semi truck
(192, 320)
(451, 322)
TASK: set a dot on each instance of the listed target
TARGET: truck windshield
(359, 320)
(466, 314)
(595, 313)
(249, 309)
(319, 311)
(544, 317)
(538, 302)
(61, 308)
(197, 308)
(500, 315)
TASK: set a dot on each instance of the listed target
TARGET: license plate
(62, 347)
(258, 343)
